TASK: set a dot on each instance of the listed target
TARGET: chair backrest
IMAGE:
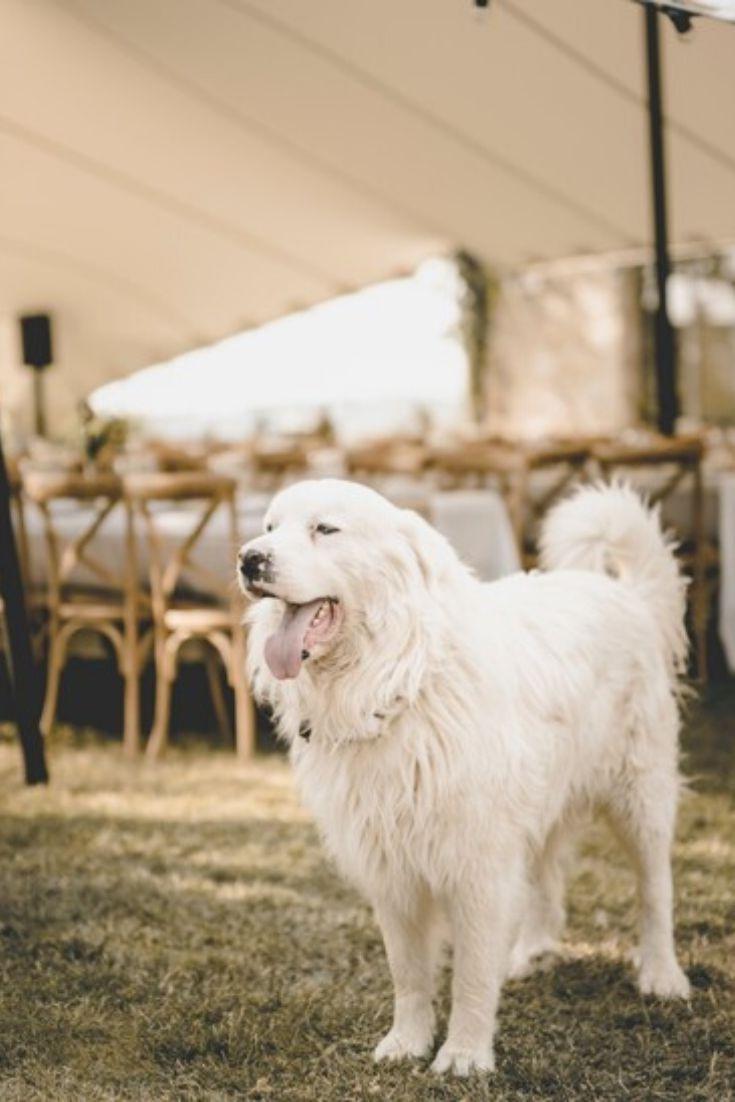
(177, 460)
(529, 477)
(277, 462)
(75, 508)
(550, 469)
(183, 516)
(386, 457)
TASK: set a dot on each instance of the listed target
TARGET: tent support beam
(664, 337)
(22, 667)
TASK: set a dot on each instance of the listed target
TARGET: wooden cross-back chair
(662, 468)
(529, 477)
(83, 591)
(177, 514)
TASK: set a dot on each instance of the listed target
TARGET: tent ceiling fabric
(175, 170)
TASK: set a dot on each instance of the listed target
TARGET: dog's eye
(269, 527)
(325, 529)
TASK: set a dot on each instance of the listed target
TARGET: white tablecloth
(476, 522)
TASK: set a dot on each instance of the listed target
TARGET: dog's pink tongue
(283, 650)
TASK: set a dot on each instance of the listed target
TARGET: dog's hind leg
(412, 936)
(544, 916)
(642, 809)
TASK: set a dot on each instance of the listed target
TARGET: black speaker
(36, 333)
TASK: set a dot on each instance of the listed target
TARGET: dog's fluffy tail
(609, 529)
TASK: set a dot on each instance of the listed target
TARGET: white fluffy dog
(448, 735)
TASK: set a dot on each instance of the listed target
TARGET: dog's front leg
(412, 945)
(484, 913)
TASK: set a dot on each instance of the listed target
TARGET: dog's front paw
(665, 979)
(463, 1061)
(401, 1045)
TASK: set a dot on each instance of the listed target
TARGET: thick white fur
(459, 730)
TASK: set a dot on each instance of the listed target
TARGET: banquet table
(475, 521)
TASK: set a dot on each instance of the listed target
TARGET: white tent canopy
(177, 170)
(372, 361)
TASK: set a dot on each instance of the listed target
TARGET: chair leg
(244, 719)
(159, 731)
(244, 707)
(131, 661)
(131, 707)
(215, 691)
(164, 685)
(700, 618)
(56, 654)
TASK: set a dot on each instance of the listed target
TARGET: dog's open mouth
(302, 629)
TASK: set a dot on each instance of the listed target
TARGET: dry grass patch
(175, 933)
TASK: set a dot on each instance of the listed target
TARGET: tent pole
(22, 667)
(664, 338)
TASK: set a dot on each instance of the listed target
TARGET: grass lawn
(175, 933)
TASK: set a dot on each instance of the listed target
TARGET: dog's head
(337, 558)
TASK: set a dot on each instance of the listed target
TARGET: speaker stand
(39, 402)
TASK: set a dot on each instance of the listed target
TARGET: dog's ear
(434, 554)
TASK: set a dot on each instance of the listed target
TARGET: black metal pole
(664, 338)
(22, 668)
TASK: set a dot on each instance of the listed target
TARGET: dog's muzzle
(255, 566)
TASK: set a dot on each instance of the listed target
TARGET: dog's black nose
(252, 564)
